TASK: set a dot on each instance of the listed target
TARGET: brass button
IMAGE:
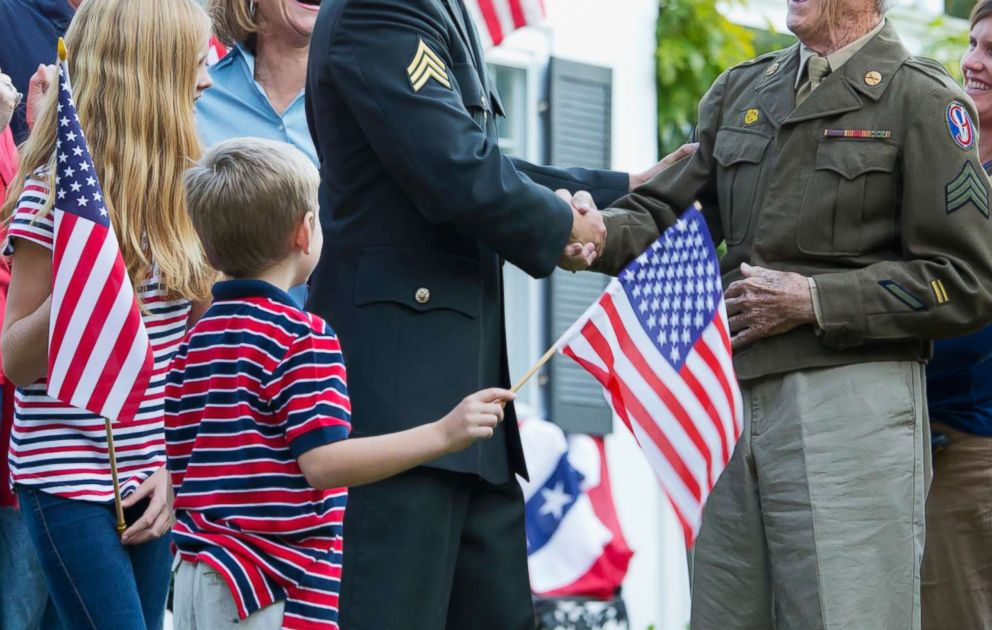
(423, 296)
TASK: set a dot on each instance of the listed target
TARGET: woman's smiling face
(291, 16)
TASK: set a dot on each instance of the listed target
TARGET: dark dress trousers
(419, 210)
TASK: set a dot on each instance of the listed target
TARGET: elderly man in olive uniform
(843, 175)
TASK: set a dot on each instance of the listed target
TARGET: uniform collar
(838, 58)
(248, 288)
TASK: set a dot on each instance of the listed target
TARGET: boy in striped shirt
(257, 409)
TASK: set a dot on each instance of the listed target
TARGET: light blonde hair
(233, 20)
(133, 65)
(247, 197)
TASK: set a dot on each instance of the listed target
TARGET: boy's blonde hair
(133, 65)
(246, 198)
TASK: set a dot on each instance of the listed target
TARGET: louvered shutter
(579, 126)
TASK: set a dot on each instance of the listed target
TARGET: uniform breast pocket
(849, 203)
(740, 155)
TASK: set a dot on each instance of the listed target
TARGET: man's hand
(588, 235)
(683, 151)
(9, 98)
(157, 519)
(38, 87)
(767, 303)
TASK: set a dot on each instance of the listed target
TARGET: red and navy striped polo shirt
(255, 384)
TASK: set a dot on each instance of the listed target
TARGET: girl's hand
(157, 519)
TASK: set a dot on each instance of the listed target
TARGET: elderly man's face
(809, 19)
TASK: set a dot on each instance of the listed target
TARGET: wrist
(635, 181)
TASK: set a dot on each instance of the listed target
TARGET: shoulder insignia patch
(967, 187)
(427, 65)
(904, 296)
(960, 125)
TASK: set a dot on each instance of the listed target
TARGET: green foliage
(959, 8)
(695, 44)
(947, 43)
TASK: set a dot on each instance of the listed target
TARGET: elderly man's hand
(683, 151)
(9, 98)
(588, 235)
(767, 303)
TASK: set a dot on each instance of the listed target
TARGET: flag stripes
(664, 361)
(495, 19)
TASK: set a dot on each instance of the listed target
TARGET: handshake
(588, 236)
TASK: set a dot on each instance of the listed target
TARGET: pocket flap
(853, 158)
(470, 86)
(421, 280)
(738, 146)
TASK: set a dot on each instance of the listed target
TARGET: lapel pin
(772, 69)
(873, 78)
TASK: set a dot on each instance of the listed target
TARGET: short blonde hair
(233, 20)
(246, 197)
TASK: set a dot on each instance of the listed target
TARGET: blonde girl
(137, 67)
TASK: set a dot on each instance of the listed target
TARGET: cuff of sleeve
(814, 295)
(841, 315)
(621, 245)
(321, 436)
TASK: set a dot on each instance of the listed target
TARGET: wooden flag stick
(121, 525)
(537, 366)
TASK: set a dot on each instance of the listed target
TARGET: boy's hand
(475, 418)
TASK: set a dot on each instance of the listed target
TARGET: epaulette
(765, 58)
(933, 69)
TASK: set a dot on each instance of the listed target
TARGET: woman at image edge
(137, 67)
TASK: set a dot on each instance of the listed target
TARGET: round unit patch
(960, 125)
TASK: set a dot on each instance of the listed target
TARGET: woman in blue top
(258, 85)
(957, 563)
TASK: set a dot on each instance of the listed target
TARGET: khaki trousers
(957, 564)
(818, 520)
(203, 601)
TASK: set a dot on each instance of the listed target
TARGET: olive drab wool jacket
(872, 186)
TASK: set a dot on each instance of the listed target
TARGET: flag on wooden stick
(658, 342)
(99, 355)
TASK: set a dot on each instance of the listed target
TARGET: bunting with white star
(99, 355)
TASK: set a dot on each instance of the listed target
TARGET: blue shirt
(959, 380)
(29, 32)
(237, 106)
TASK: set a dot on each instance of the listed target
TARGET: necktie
(817, 69)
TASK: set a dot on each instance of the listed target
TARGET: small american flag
(496, 19)
(658, 342)
(99, 355)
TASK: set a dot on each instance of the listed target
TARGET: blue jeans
(24, 602)
(96, 582)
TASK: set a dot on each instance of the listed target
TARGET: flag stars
(555, 500)
(71, 136)
(75, 186)
(77, 151)
(90, 181)
(84, 166)
(64, 122)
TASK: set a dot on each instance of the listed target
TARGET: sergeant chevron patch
(427, 65)
(967, 187)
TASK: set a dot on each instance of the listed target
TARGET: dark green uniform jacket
(872, 186)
